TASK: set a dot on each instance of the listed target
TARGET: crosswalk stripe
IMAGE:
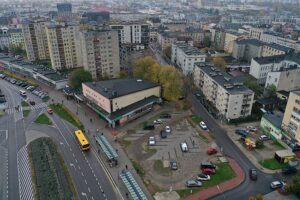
(24, 174)
(35, 107)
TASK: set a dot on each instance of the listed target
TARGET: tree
(219, 62)
(270, 91)
(142, 67)
(252, 84)
(295, 35)
(168, 52)
(257, 197)
(123, 74)
(79, 76)
(17, 50)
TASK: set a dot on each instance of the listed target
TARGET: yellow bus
(81, 139)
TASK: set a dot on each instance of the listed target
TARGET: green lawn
(43, 119)
(196, 119)
(63, 113)
(271, 164)
(160, 169)
(24, 104)
(138, 168)
(46, 99)
(224, 173)
(26, 113)
(148, 149)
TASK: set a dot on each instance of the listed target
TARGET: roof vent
(105, 89)
(139, 80)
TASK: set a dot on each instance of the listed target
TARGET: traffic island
(49, 171)
(25, 108)
(43, 119)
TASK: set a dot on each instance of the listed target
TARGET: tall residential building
(63, 45)
(228, 94)
(4, 39)
(100, 53)
(185, 56)
(291, 118)
(133, 33)
(35, 39)
(16, 38)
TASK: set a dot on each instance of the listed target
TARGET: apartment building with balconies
(291, 118)
(35, 38)
(100, 52)
(226, 93)
(63, 45)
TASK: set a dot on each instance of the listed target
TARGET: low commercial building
(119, 101)
(227, 94)
(271, 125)
(284, 156)
(185, 56)
(291, 118)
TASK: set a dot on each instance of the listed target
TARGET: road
(248, 187)
(90, 179)
(158, 54)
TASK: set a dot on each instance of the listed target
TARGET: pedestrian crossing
(35, 107)
(24, 175)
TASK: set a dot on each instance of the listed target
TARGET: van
(184, 147)
(23, 93)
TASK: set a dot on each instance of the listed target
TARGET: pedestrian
(126, 194)
(91, 120)
(126, 167)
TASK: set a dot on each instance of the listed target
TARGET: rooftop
(120, 87)
(234, 85)
(187, 49)
(279, 47)
(296, 92)
(278, 58)
(275, 119)
(250, 41)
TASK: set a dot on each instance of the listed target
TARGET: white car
(203, 177)
(158, 121)
(277, 184)
(263, 138)
(168, 129)
(203, 125)
(184, 147)
(152, 141)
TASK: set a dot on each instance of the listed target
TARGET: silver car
(193, 183)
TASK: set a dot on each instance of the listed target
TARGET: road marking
(89, 189)
(82, 174)
(76, 161)
(85, 181)
(60, 132)
(78, 167)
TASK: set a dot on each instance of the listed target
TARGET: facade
(228, 94)
(64, 7)
(16, 38)
(100, 53)
(271, 125)
(219, 39)
(166, 39)
(284, 80)
(291, 118)
(230, 37)
(121, 100)
(198, 35)
(63, 45)
(260, 67)
(99, 17)
(247, 49)
(4, 40)
(133, 33)
(176, 26)
(35, 38)
(273, 49)
(185, 56)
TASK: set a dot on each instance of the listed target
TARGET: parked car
(208, 171)
(251, 129)
(168, 129)
(203, 177)
(166, 116)
(253, 174)
(31, 102)
(277, 184)
(151, 140)
(163, 134)
(149, 127)
(207, 165)
(289, 170)
(158, 121)
(203, 125)
(263, 138)
(211, 151)
(241, 132)
(184, 147)
(193, 183)
(50, 111)
(173, 164)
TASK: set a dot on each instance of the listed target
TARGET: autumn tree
(219, 62)
(142, 67)
(257, 197)
(79, 76)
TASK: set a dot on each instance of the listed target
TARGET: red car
(211, 151)
(208, 171)
(50, 111)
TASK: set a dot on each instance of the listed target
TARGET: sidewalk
(223, 187)
(85, 114)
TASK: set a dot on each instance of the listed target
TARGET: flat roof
(187, 49)
(285, 153)
(233, 85)
(275, 119)
(120, 87)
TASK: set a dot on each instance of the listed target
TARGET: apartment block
(247, 49)
(100, 53)
(228, 94)
(16, 38)
(63, 45)
(291, 118)
(230, 37)
(133, 33)
(35, 38)
(260, 67)
(272, 49)
(185, 56)
(4, 39)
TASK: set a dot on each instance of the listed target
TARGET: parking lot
(167, 149)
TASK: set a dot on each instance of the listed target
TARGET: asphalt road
(248, 187)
